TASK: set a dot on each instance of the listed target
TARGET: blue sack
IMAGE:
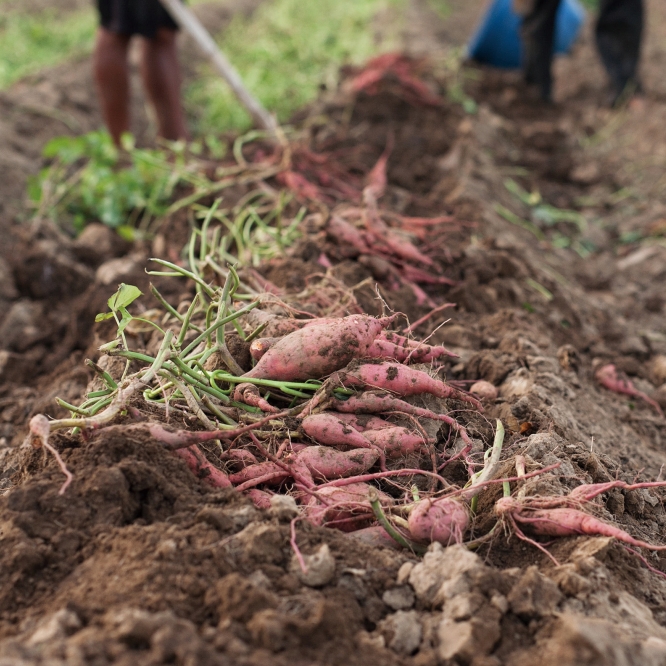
(497, 40)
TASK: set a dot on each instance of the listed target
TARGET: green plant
(285, 52)
(29, 42)
(89, 179)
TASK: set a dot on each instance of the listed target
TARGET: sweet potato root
(444, 520)
(363, 422)
(346, 508)
(318, 350)
(203, 469)
(260, 498)
(260, 346)
(376, 403)
(347, 236)
(375, 536)
(609, 378)
(270, 473)
(562, 522)
(326, 463)
(327, 428)
(401, 380)
(396, 442)
(249, 394)
(384, 347)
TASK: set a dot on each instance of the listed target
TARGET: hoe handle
(189, 22)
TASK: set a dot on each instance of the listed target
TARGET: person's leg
(160, 71)
(618, 35)
(538, 34)
(112, 76)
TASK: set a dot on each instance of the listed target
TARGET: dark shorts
(134, 17)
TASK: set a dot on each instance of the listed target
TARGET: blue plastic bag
(497, 40)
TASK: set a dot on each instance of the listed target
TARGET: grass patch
(285, 52)
(31, 42)
(442, 7)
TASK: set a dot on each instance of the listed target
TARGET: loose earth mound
(553, 252)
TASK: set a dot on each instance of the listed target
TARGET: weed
(89, 179)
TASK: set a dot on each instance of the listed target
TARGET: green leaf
(125, 295)
(103, 316)
(127, 318)
(126, 232)
(109, 346)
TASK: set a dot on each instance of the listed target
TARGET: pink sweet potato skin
(260, 346)
(202, 469)
(375, 536)
(395, 442)
(325, 463)
(401, 380)
(275, 325)
(609, 378)
(250, 395)
(318, 350)
(363, 422)
(375, 403)
(260, 498)
(347, 508)
(347, 235)
(258, 471)
(327, 428)
(382, 348)
(563, 522)
(443, 520)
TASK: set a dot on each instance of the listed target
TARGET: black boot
(538, 33)
(618, 35)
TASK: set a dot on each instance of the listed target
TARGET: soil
(140, 563)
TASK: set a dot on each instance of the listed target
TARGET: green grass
(31, 42)
(442, 7)
(285, 52)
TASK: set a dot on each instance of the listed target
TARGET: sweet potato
(327, 428)
(395, 442)
(260, 346)
(363, 422)
(346, 508)
(347, 236)
(260, 498)
(609, 378)
(401, 380)
(318, 350)
(562, 522)
(384, 348)
(444, 520)
(301, 186)
(249, 394)
(241, 455)
(326, 463)
(275, 325)
(203, 469)
(376, 403)
(484, 390)
(271, 474)
(375, 536)
(414, 274)
(588, 491)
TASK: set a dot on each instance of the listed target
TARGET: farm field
(356, 497)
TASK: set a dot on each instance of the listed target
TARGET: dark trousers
(618, 36)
